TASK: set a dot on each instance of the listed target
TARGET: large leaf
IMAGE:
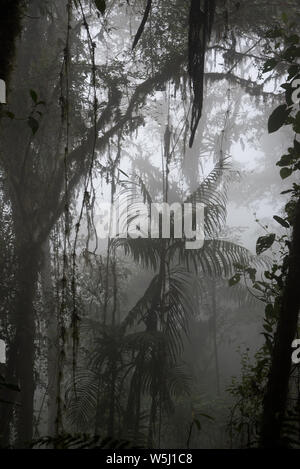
(281, 221)
(278, 118)
(285, 172)
(264, 242)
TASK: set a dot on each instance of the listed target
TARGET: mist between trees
(138, 220)
(149, 223)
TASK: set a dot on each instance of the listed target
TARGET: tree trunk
(52, 336)
(28, 259)
(278, 382)
(21, 349)
(6, 410)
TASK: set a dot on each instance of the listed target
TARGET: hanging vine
(65, 119)
(200, 28)
(88, 191)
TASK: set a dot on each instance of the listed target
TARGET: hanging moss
(200, 27)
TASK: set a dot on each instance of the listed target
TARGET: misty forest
(134, 341)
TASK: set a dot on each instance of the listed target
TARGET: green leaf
(278, 118)
(288, 191)
(293, 71)
(285, 172)
(269, 310)
(281, 221)
(33, 124)
(34, 96)
(269, 343)
(258, 287)
(285, 160)
(267, 327)
(234, 280)
(297, 147)
(270, 65)
(252, 273)
(264, 242)
(296, 123)
(101, 6)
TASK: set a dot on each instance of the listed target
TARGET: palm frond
(82, 401)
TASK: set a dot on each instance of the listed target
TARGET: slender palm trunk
(215, 343)
(114, 371)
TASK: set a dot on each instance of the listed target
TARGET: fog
(138, 340)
